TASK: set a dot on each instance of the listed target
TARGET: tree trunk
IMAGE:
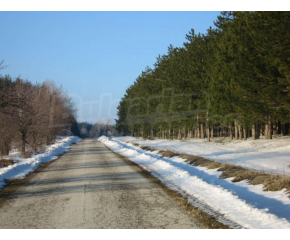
(253, 132)
(240, 132)
(208, 133)
(212, 126)
(270, 128)
(236, 130)
(245, 133)
(179, 135)
(231, 133)
(34, 146)
(202, 130)
(266, 131)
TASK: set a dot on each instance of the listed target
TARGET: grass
(271, 182)
(167, 153)
(135, 144)
(6, 162)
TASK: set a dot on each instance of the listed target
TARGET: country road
(91, 187)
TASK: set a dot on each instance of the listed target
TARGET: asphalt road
(91, 187)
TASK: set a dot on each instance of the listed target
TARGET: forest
(233, 81)
(32, 115)
(89, 130)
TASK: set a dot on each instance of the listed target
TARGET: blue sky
(95, 56)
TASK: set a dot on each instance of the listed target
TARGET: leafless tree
(35, 112)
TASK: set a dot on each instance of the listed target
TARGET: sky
(95, 56)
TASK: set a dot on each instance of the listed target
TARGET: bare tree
(36, 113)
(1, 65)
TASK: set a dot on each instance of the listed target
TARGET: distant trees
(238, 73)
(98, 129)
(31, 115)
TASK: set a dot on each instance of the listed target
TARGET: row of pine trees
(232, 82)
(32, 115)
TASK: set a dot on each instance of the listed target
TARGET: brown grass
(200, 161)
(271, 182)
(167, 153)
(6, 162)
(148, 148)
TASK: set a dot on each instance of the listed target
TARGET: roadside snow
(271, 156)
(246, 205)
(27, 165)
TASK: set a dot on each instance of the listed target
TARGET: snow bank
(243, 204)
(271, 156)
(25, 166)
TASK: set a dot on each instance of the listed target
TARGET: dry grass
(271, 182)
(167, 153)
(148, 148)
(200, 161)
(6, 162)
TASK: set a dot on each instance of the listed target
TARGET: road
(91, 187)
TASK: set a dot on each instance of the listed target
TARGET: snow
(238, 204)
(271, 156)
(27, 165)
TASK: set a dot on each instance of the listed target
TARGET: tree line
(233, 81)
(89, 130)
(32, 115)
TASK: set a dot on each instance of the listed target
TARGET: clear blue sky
(95, 56)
